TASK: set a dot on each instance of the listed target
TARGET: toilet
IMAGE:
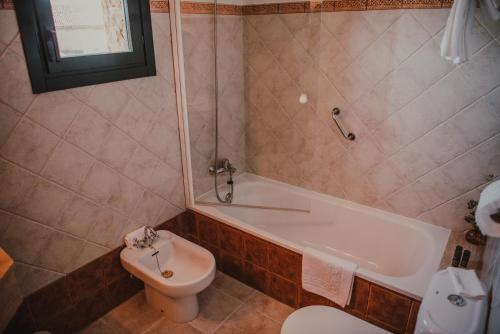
(174, 270)
(441, 312)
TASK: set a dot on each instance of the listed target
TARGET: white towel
(457, 33)
(131, 237)
(487, 207)
(466, 283)
(328, 276)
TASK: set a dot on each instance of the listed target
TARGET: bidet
(174, 270)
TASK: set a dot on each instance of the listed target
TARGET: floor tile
(166, 326)
(245, 321)
(232, 287)
(133, 316)
(272, 308)
(215, 306)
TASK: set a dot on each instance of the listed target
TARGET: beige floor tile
(271, 307)
(166, 326)
(247, 321)
(133, 316)
(215, 306)
(98, 327)
(232, 287)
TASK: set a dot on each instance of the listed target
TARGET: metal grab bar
(347, 135)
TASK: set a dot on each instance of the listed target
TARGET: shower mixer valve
(223, 166)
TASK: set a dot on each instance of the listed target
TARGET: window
(72, 43)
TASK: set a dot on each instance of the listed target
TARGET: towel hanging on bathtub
(457, 34)
(328, 276)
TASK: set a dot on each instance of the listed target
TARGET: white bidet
(174, 270)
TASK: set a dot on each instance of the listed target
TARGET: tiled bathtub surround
(427, 131)
(81, 167)
(197, 32)
(276, 271)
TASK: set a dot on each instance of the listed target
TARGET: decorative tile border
(162, 6)
(159, 6)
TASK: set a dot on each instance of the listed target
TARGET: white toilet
(441, 312)
(174, 271)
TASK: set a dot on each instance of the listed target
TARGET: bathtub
(396, 252)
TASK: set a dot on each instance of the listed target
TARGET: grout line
(458, 196)
(436, 127)
(226, 318)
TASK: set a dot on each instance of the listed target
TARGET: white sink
(192, 266)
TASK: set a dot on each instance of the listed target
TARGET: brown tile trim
(159, 6)
(350, 5)
(418, 4)
(447, 3)
(260, 9)
(383, 4)
(292, 7)
(162, 6)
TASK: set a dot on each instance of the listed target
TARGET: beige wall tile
(109, 100)
(117, 150)
(89, 131)
(68, 166)
(78, 217)
(16, 184)
(125, 195)
(45, 203)
(148, 209)
(55, 110)
(29, 145)
(8, 120)
(108, 229)
(140, 168)
(24, 239)
(135, 119)
(100, 183)
(15, 89)
(59, 252)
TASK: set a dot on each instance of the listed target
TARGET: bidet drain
(167, 273)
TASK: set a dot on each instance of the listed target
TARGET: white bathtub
(393, 251)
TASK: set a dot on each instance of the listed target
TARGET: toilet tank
(444, 312)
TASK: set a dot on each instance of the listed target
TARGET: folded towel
(457, 34)
(131, 237)
(328, 276)
(466, 283)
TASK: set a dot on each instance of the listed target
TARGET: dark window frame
(48, 73)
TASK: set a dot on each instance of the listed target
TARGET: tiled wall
(198, 39)
(81, 167)
(72, 302)
(427, 132)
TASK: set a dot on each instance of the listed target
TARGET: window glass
(91, 27)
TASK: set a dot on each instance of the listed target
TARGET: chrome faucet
(223, 166)
(150, 236)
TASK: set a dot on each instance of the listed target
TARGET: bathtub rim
(397, 284)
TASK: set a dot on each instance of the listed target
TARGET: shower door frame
(183, 120)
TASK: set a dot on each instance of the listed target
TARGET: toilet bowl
(174, 270)
(326, 320)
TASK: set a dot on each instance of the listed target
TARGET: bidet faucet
(150, 236)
